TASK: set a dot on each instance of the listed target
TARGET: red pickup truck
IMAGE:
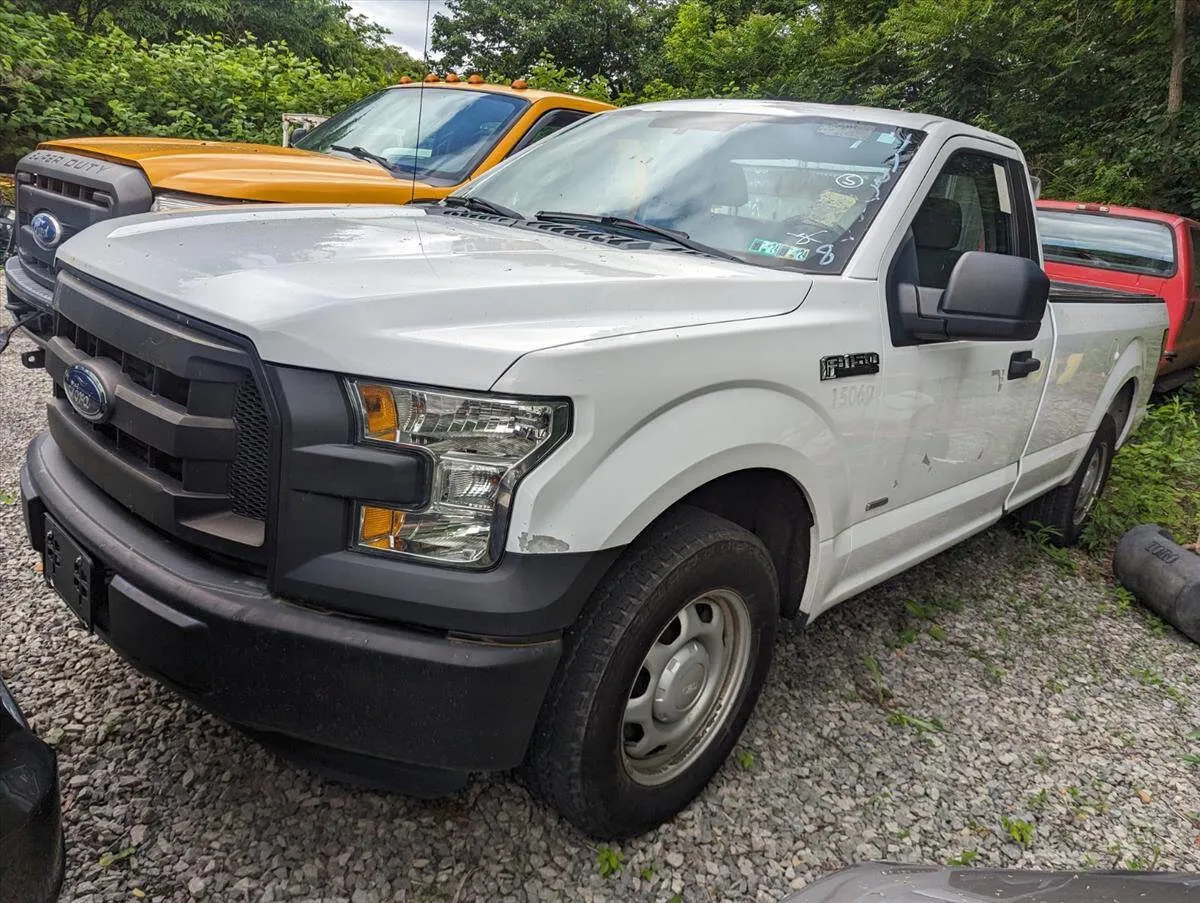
(1132, 250)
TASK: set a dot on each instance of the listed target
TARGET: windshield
(437, 134)
(780, 190)
(1107, 242)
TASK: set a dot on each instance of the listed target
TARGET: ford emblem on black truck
(85, 390)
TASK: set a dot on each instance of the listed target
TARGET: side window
(546, 126)
(1195, 259)
(969, 208)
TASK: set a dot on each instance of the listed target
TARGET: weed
(1055, 686)
(1038, 800)
(876, 672)
(1019, 830)
(1138, 864)
(920, 610)
(610, 860)
(1191, 758)
(746, 760)
(938, 632)
(7, 498)
(920, 725)
(1155, 478)
(1155, 625)
(110, 859)
(1149, 677)
(906, 637)
(647, 873)
(965, 858)
(1123, 599)
(1042, 761)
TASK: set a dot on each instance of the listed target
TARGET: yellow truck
(410, 142)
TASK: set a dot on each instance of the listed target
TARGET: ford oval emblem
(47, 230)
(87, 394)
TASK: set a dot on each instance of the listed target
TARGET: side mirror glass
(296, 135)
(992, 297)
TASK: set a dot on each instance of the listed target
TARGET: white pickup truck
(529, 478)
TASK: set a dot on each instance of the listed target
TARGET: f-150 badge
(839, 366)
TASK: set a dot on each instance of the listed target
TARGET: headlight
(480, 446)
(167, 201)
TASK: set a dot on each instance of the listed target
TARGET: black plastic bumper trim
(221, 638)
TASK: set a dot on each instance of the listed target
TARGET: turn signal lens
(379, 412)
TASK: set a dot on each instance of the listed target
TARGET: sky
(405, 19)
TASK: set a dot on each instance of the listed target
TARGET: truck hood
(253, 172)
(398, 293)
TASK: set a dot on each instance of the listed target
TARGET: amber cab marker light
(476, 79)
(405, 80)
(452, 77)
(432, 77)
(520, 84)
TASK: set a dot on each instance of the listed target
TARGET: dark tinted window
(1196, 259)
(1107, 242)
(969, 208)
(547, 126)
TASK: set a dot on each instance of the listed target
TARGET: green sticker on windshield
(769, 248)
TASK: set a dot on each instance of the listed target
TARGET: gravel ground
(987, 690)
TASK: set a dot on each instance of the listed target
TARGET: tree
(1178, 58)
(617, 39)
(325, 30)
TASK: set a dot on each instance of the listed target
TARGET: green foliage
(325, 30)
(56, 81)
(963, 859)
(920, 725)
(546, 75)
(1155, 477)
(610, 861)
(1020, 831)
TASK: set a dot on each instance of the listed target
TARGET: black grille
(187, 441)
(249, 478)
(74, 191)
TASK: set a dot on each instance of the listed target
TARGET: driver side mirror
(296, 135)
(989, 297)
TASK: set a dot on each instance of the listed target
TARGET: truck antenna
(421, 95)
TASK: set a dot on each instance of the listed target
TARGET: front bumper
(25, 296)
(314, 679)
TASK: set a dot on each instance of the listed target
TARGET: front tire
(659, 676)
(1067, 509)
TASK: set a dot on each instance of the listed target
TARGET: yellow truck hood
(253, 172)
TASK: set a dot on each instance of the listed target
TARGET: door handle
(1021, 364)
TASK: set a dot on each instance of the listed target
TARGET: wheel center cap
(682, 682)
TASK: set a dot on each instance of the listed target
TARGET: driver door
(956, 415)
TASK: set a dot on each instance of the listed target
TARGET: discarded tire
(1163, 575)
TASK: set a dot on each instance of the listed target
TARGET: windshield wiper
(674, 236)
(481, 205)
(363, 154)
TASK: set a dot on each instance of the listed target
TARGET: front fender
(593, 495)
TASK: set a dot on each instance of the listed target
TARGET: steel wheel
(687, 687)
(1089, 487)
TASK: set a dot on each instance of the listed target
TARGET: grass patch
(1155, 477)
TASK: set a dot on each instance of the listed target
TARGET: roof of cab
(921, 121)
(531, 94)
